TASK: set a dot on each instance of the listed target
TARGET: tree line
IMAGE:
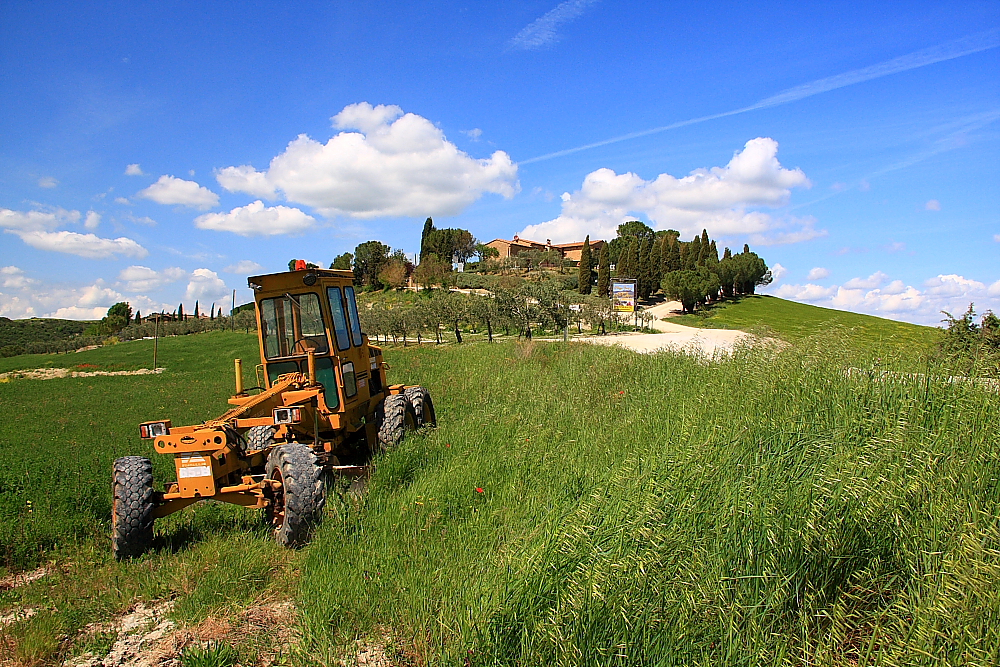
(689, 271)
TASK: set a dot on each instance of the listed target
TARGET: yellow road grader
(322, 408)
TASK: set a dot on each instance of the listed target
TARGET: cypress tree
(656, 263)
(428, 228)
(604, 273)
(196, 309)
(586, 265)
(682, 254)
(138, 317)
(211, 315)
(645, 272)
(727, 254)
(694, 254)
(180, 312)
(713, 253)
(622, 266)
(746, 248)
(704, 238)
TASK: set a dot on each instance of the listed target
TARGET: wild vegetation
(576, 505)
(40, 335)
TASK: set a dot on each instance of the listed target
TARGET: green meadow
(577, 505)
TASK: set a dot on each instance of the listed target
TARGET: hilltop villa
(570, 251)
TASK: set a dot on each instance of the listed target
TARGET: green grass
(635, 510)
(793, 321)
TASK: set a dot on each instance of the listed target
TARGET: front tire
(297, 506)
(423, 406)
(397, 418)
(132, 511)
(260, 437)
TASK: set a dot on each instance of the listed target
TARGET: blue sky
(159, 153)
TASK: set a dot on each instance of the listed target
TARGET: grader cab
(322, 407)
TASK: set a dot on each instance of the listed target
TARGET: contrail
(947, 51)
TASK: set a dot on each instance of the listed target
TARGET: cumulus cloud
(255, 219)
(144, 279)
(35, 299)
(933, 205)
(47, 182)
(123, 201)
(720, 199)
(89, 246)
(244, 267)
(897, 300)
(173, 190)
(396, 164)
(871, 282)
(12, 277)
(818, 273)
(36, 220)
(542, 31)
(205, 285)
(778, 272)
(134, 170)
(93, 220)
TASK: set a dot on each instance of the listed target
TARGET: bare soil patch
(52, 373)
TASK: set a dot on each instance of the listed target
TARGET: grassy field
(578, 505)
(793, 321)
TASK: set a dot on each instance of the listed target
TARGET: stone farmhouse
(569, 251)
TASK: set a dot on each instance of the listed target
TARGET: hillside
(792, 321)
(576, 505)
(38, 330)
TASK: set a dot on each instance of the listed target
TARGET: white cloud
(173, 190)
(996, 237)
(818, 273)
(47, 182)
(397, 165)
(36, 220)
(122, 200)
(142, 220)
(83, 245)
(134, 170)
(145, 279)
(244, 267)
(12, 277)
(933, 205)
(897, 300)
(474, 134)
(777, 272)
(93, 220)
(871, 282)
(255, 219)
(542, 31)
(246, 179)
(205, 285)
(716, 199)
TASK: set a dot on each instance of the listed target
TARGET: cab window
(352, 311)
(292, 324)
(339, 320)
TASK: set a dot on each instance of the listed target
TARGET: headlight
(287, 415)
(149, 430)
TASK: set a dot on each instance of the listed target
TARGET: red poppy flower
(479, 490)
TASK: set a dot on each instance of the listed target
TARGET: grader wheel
(132, 512)
(260, 437)
(398, 417)
(297, 506)
(423, 406)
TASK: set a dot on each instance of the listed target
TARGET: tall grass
(636, 510)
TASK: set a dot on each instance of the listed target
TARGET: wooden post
(156, 328)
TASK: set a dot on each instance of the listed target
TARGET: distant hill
(792, 321)
(36, 334)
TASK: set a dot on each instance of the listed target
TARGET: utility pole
(232, 313)
(156, 330)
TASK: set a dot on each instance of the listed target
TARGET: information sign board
(623, 296)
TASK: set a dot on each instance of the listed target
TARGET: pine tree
(196, 313)
(727, 254)
(180, 312)
(604, 273)
(586, 266)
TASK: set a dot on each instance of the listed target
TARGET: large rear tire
(398, 417)
(297, 506)
(423, 406)
(132, 511)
